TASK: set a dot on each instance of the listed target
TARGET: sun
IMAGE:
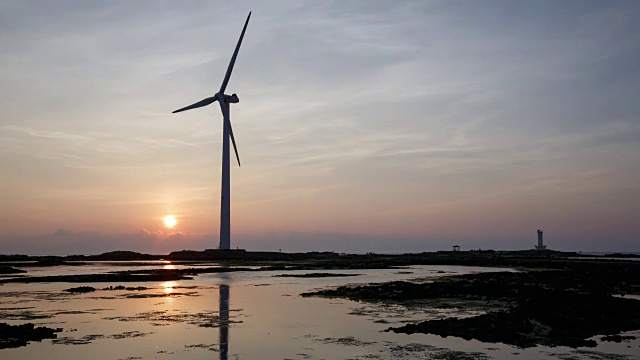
(170, 221)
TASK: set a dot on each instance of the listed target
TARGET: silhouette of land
(325, 260)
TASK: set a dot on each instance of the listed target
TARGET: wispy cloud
(403, 117)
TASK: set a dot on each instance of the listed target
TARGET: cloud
(355, 118)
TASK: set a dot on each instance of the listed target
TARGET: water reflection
(224, 321)
(301, 331)
(168, 287)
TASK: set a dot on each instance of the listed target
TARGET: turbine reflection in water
(224, 321)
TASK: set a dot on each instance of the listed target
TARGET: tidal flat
(248, 310)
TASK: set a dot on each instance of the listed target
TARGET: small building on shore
(541, 245)
(456, 247)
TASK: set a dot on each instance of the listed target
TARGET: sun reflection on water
(168, 287)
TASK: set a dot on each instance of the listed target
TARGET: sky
(384, 126)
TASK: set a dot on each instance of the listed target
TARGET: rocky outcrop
(12, 336)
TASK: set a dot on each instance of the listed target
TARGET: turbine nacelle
(231, 99)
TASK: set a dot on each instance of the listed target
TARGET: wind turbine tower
(227, 132)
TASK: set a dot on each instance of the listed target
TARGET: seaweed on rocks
(316, 275)
(7, 270)
(88, 339)
(81, 289)
(618, 338)
(13, 336)
(348, 341)
(566, 320)
(127, 276)
(552, 308)
(110, 277)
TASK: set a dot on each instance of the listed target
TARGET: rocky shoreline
(552, 308)
(127, 276)
(13, 336)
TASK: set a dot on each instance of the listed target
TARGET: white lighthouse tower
(541, 245)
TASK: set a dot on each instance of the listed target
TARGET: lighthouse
(541, 245)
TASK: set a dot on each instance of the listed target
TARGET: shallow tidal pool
(249, 315)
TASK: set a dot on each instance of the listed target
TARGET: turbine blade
(200, 103)
(233, 58)
(227, 121)
(233, 140)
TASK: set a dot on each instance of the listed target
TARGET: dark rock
(315, 275)
(551, 308)
(622, 255)
(81, 289)
(123, 255)
(13, 336)
(128, 276)
(139, 288)
(5, 270)
(51, 261)
(618, 338)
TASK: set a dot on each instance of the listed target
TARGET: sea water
(247, 315)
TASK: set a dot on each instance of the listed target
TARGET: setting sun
(170, 221)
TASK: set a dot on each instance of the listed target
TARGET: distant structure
(541, 245)
(456, 247)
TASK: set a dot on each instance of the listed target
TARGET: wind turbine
(224, 101)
